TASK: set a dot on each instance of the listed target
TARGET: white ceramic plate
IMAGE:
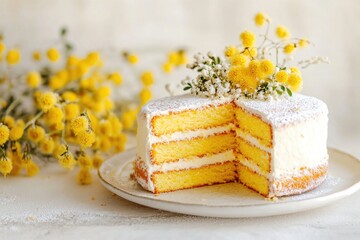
(232, 200)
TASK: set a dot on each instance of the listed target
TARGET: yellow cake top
(278, 113)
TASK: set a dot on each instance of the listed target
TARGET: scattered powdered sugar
(6, 198)
(326, 187)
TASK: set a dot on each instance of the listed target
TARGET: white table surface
(52, 206)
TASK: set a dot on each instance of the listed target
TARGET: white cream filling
(177, 136)
(244, 161)
(195, 162)
(254, 141)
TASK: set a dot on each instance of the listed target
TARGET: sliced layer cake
(276, 148)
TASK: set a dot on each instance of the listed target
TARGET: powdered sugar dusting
(180, 103)
(286, 111)
(278, 112)
(325, 188)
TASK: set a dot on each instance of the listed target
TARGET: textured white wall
(152, 26)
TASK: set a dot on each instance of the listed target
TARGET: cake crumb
(132, 176)
(272, 199)
(31, 218)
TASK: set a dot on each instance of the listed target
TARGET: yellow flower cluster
(230, 51)
(30, 166)
(45, 101)
(13, 56)
(4, 134)
(71, 115)
(292, 79)
(303, 43)
(13, 161)
(33, 79)
(36, 56)
(5, 165)
(53, 54)
(250, 66)
(248, 73)
(289, 48)
(260, 19)
(282, 32)
(247, 39)
(132, 59)
(129, 117)
(59, 121)
(175, 59)
(82, 131)
(147, 79)
(116, 78)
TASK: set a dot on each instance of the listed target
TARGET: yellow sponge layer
(172, 151)
(254, 126)
(193, 119)
(254, 154)
(253, 180)
(208, 175)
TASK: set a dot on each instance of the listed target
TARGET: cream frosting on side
(299, 145)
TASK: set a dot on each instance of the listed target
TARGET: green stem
(53, 132)
(32, 121)
(247, 49)
(11, 107)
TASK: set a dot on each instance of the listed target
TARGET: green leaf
(218, 60)
(186, 88)
(279, 92)
(289, 92)
(68, 47)
(283, 88)
(63, 31)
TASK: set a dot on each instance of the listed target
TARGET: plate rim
(327, 198)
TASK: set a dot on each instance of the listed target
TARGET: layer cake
(277, 148)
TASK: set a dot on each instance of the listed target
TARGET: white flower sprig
(314, 60)
(211, 80)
